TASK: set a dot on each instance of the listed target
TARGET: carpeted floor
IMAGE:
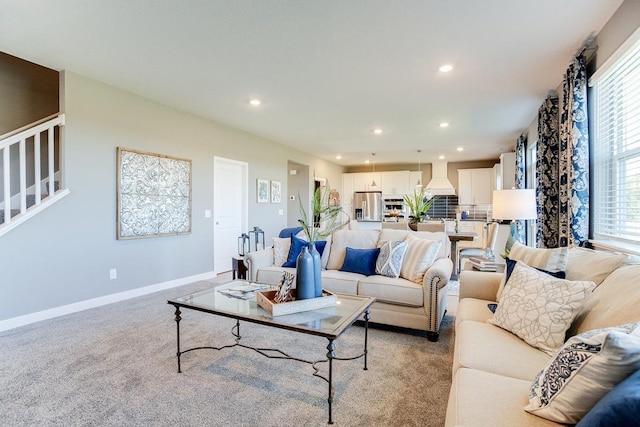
(116, 366)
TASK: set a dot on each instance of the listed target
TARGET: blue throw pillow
(296, 247)
(361, 261)
(511, 265)
(618, 408)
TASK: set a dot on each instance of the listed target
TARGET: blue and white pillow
(583, 371)
(390, 258)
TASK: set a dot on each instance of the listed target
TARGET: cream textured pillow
(540, 308)
(420, 255)
(587, 264)
(281, 246)
(547, 259)
(585, 369)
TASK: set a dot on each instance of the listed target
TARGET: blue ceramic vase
(305, 287)
(317, 270)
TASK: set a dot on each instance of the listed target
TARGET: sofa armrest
(256, 260)
(479, 284)
(438, 274)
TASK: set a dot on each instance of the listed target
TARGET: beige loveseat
(399, 302)
(493, 369)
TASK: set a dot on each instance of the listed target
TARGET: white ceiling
(328, 71)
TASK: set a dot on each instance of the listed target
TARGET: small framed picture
(276, 192)
(262, 190)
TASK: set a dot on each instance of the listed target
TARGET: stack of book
(483, 264)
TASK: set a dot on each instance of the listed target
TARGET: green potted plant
(325, 218)
(419, 203)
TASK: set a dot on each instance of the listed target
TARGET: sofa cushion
(481, 399)
(587, 264)
(619, 408)
(421, 253)
(587, 367)
(540, 308)
(395, 291)
(357, 239)
(390, 258)
(489, 348)
(545, 259)
(361, 261)
(341, 282)
(614, 302)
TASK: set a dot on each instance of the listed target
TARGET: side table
(238, 267)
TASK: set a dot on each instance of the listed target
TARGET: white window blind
(616, 147)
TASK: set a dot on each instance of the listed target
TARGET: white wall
(64, 254)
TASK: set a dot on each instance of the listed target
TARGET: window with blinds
(616, 145)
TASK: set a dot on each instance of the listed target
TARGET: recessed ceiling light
(445, 68)
(367, 161)
(460, 149)
(444, 125)
(377, 131)
(441, 157)
(255, 102)
(338, 157)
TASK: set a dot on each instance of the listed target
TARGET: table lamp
(514, 205)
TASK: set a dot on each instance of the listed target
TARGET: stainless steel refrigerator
(367, 205)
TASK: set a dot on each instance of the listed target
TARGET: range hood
(439, 184)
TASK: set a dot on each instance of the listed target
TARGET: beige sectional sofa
(419, 304)
(493, 369)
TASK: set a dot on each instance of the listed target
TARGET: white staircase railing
(15, 166)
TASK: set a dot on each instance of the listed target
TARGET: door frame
(217, 160)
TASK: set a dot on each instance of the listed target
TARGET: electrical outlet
(113, 274)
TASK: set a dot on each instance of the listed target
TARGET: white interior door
(230, 210)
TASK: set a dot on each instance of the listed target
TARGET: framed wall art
(262, 190)
(153, 195)
(276, 192)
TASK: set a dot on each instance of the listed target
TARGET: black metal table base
(273, 353)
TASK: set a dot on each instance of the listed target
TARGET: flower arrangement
(419, 204)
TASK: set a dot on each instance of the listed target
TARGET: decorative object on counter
(325, 219)
(419, 204)
(514, 205)
(283, 294)
(243, 244)
(258, 236)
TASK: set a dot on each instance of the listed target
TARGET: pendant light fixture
(373, 180)
(419, 183)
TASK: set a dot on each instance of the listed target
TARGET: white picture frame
(276, 191)
(262, 190)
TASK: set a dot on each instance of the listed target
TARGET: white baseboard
(27, 319)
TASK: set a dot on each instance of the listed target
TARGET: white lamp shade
(514, 204)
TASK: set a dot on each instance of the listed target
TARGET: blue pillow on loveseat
(296, 247)
(618, 408)
(361, 261)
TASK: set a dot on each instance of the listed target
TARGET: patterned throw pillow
(540, 308)
(280, 250)
(390, 258)
(587, 367)
(546, 259)
(421, 253)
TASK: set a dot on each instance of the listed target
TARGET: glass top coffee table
(329, 322)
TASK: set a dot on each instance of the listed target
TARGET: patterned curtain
(521, 147)
(574, 157)
(547, 174)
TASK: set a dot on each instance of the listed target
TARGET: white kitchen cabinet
(508, 170)
(394, 183)
(475, 186)
(496, 177)
(362, 181)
